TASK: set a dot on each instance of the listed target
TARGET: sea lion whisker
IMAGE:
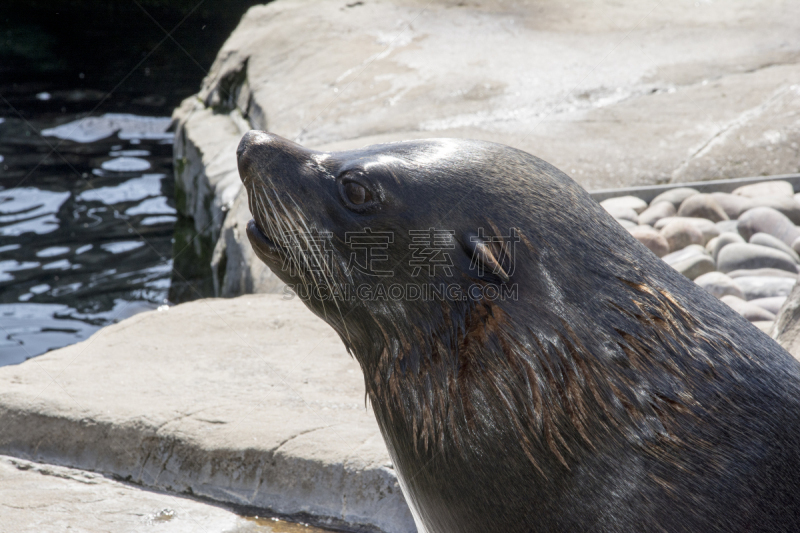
(329, 276)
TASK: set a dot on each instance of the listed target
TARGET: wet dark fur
(612, 395)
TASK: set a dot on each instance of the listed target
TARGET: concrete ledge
(251, 401)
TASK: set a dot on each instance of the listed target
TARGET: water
(86, 220)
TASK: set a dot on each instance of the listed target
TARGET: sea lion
(558, 376)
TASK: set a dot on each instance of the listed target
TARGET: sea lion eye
(356, 193)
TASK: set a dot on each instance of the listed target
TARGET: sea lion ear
(486, 256)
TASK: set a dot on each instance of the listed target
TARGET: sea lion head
(370, 238)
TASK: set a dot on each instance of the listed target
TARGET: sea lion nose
(260, 150)
(256, 150)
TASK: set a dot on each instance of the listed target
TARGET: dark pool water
(86, 219)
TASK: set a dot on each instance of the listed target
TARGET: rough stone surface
(718, 83)
(702, 206)
(738, 256)
(719, 285)
(252, 401)
(767, 220)
(787, 323)
(652, 239)
(757, 287)
(767, 188)
(765, 239)
(40, 498)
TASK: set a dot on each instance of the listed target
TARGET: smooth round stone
(765, 239)
(772, 304)
(627, 224)
(675, 196)
(796, 245)
(631, 202)
(623, 213)
(707, 228)
(786, 205)
(656, 212)
(711, 244)
(733, 205)
(751, 312)
(685, 253)
(766, 188)
(764, 272)
(702, 206)
(679, 234)
(767, 220)
(757, 287)
(764, 325)
(727, 226)
(719, 285)
(724, 240)
(692, 261)
(652, 239)
(737, 256)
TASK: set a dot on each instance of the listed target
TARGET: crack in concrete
(724, 132)
(293, 437)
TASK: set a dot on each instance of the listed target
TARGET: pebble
(623, 213)
(772, 304)
(733, 205)
(751, 312)
(767, 220)
(692, 261)
(702, 206)
(719, 285)
(652, 239)
(656, 212)
(723, 240)
(680, 233)
(631, 202)
(765, 272)
(706, 227)
(764, 325)
(765, 239)
(675, 196)
(737, 256)
(742, 247)
(766, 188)
(786, 205)
(757, 287)
(727, 226)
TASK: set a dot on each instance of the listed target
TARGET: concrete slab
(251, 401)
(37, 497)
